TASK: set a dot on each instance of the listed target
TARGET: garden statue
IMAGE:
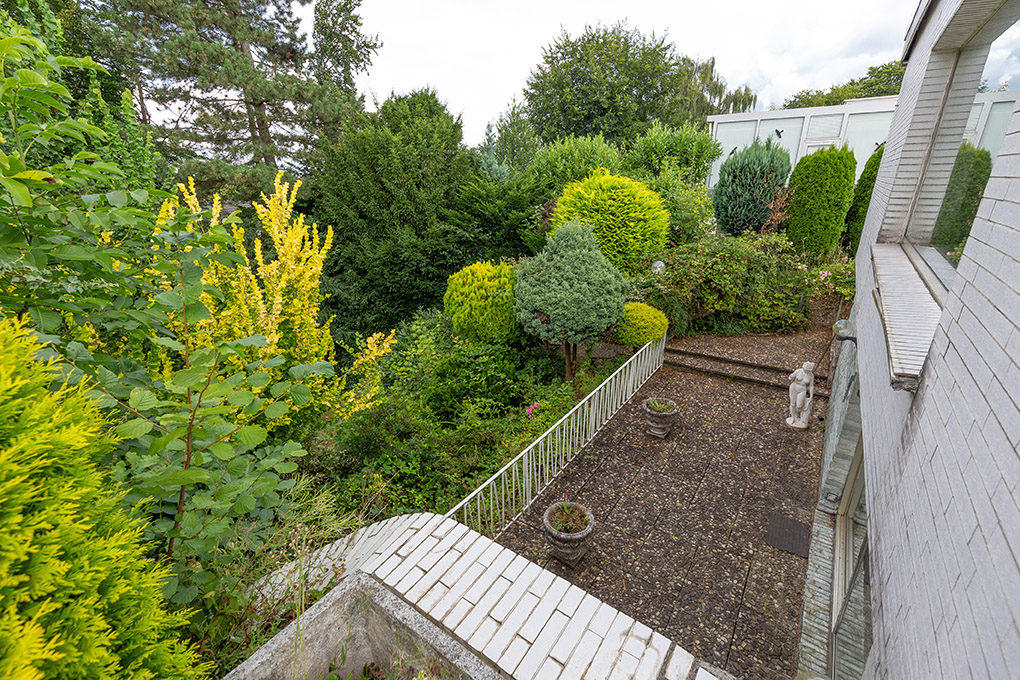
(802, 395)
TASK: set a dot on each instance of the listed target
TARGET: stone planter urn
(568, 546)
(660, 414)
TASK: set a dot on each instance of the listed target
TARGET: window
(850, 642)
(970, 129)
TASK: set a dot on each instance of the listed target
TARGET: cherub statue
(802, 395)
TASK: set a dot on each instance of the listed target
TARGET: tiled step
(724, 367)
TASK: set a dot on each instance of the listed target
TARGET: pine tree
(234, 78)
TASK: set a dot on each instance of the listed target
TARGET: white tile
(514, 653)
(571, 599)
(480, 633)
(456, 594)
(610, 648)
(546, 606)
(539, 652)
(574, 630)
(516, 593)
(584, 651)
(602, 620)
(679, 666)
(625, 668)
(498, 588)
(508, 630)
(704, 675)
(492, 572)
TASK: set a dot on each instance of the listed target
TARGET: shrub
(571, 159)
(748, 180)
(862, 199)
(686, 148)
(480, 300)
(627, 217)
(483, 374)
(822, 187)
(570, 292)
(641, 324)
(79, 599)
(971, 171)
(725, 284)
(689, 205)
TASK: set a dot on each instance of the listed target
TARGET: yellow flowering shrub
(279, 299)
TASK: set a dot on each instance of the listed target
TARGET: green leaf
(244, 504)
(18, 191)
(251, 435)
(140, 196)
(257, 380)
(240, 398)
(142, 399)
(300, 371)
(75, 253)
(301, 394)
(169, 342)
(197, 312)
(276, 409)
(280, 389)
(133, 429)
(189, 377)
(77, 353)
(278, 360)
(222, 450)
(179, 477)
(45, 319)
(285, 467)
(118, 199)
(185, 595)
(238, 466)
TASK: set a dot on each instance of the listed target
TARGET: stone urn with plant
(568, 527)
(660, 415)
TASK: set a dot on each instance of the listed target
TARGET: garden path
(681, 522)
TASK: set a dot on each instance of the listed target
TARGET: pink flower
(531, 409)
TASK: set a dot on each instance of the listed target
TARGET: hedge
(862, 199)
(640, 325)
(967, 181)
(822, 187)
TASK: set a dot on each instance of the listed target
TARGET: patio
(681, 522)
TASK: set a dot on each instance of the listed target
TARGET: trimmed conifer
(822, 187)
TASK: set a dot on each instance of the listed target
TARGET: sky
(478, 54)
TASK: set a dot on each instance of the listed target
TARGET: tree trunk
(570, 352)
(141, 100)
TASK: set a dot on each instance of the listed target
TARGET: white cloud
(478, 54)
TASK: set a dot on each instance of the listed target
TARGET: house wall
(942, 465)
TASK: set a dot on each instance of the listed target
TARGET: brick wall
(942, 465)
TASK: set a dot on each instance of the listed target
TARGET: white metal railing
(503, 497)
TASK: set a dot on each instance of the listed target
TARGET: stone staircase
(738, 369)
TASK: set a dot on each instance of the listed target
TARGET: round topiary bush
(822, 186)
(748, 181)
(967, 181)
(480, 300)
(640, 325)
(569, 293)
(862, 199)
(628, 219)
(79, 597)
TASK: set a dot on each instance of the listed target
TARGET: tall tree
(881, 80)
(617, 81)
(234, 78)
(341, 49)
(384, 187)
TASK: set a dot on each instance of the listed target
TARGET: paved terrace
(681, 522)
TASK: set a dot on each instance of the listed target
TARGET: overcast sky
(477, 54)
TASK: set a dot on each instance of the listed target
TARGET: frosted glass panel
(864, 132)
(785, 132)
(995, 127)
(824, 127)
(733, 137)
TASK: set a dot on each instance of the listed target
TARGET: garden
(210, 368)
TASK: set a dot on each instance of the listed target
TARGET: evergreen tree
(385, 186)
(235, 76)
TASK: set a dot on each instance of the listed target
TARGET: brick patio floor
(680, 538)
